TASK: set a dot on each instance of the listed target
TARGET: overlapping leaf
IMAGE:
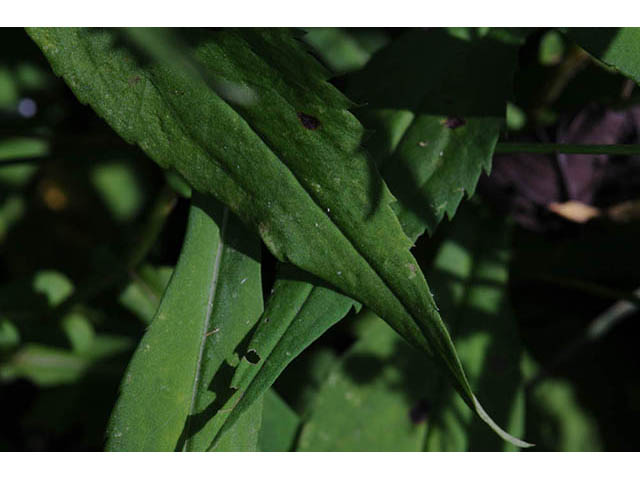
(297, 313)
(281, 150)
(177, 375)
(479, 139)
(436, 101)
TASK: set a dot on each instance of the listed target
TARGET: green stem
(546, 148)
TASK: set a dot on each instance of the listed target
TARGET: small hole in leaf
(252, 356)
(309, 122)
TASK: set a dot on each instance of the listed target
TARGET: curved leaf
(212, 300)
(284, 155)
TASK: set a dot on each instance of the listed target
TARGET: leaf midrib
(206, 324)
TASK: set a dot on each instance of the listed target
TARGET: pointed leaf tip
(496, 428)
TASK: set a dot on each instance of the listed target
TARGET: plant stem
(546, 148)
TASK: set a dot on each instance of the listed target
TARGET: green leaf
(471, 275)
(489, 128)
(377, 398)
(284, 155)
(345, 50)
(558, 421)
(49, 366)
(142, 295)
(245, 435)
(15, 148)
(551, 48)
(44, 365)
(279, 424)
(118, 188)
(617, 47)
(297, 313)
(436, 102)
(180, 371)
(365, 402)
(9, 335)
(54, 285)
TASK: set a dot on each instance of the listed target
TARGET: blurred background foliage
(90, 230)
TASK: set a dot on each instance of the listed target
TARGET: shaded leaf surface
(365, 403)
(556, 419)
(471, 274)
(377, 398)
(279, 424)
(305, 186)
(436, 102)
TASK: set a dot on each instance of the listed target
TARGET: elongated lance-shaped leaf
(436, 101)
(213, 299)
(384, 403)
(286, 159)
(478, 141)
(617, 47)
(235, 305)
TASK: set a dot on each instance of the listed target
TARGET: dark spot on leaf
(309, 122)
(266, 320)
(454, 122)
(420, 411)
(134, 80)
(252, 356)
